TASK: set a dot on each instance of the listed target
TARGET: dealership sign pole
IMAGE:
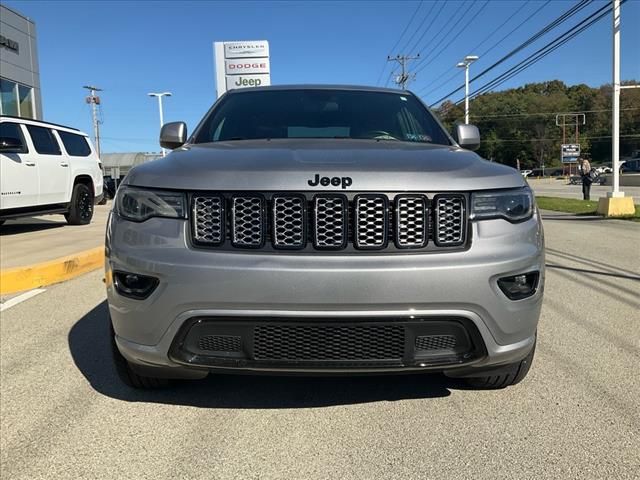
(241, 65)
(615, 203)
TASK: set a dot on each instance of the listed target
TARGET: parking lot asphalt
(31, 240)
(64, 414)
(559, 187)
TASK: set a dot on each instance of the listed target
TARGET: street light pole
(159, 96)
(468, 60)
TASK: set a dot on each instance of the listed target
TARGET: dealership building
(19, 71)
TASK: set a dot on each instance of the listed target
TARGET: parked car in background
(630, 166)
(47, 169)
(603, 169)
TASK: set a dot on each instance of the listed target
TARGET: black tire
(2, 222)
(128, 376)
(512, 374)
(81, 207)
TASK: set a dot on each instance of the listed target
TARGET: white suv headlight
(140, 204)
(514, 205)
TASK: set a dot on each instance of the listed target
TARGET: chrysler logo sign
(246, 49)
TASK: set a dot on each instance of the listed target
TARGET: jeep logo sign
(243, 81)
(343, 182)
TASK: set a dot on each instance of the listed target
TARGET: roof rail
(39, 121)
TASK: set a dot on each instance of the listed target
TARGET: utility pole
(404, 76)
(94, 101)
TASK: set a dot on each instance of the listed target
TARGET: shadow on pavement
(91, 352)
(573, 217)
(594, 272)
(26, 225)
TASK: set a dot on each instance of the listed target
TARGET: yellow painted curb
(33, 276)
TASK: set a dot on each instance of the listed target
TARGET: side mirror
(173, 135)
(11, 145)
(468, 136)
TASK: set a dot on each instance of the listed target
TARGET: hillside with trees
(520, 123)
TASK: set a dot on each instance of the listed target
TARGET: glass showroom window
(8, 98)
(25, 95)
(16, 100)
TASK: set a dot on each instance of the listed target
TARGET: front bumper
(258, 287)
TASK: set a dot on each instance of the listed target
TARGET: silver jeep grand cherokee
(323, 230)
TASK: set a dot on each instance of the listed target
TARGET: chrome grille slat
(330, 225)
(329, 221)
(371, 221)
(450, 218)
(289, 221)
(411, 221)
(208, 214)
(247, 221)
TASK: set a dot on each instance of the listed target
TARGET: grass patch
(579, 207)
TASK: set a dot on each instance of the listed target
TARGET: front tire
(128, 376)
(81, 208)
(511, 375)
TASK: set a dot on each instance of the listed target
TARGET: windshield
(379, 116)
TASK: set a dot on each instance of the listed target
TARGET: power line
(433, 22)
(561, 19)
(545, 50)
(444, 25)
(400, 38)
(524, 4)
(547, 114)
(424, 19)
(441, 51)
(527, 140)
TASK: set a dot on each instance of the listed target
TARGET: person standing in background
(585, 171)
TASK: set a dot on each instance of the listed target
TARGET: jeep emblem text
(326, 181)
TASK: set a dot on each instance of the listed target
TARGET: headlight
(139, 204)
(513, 205)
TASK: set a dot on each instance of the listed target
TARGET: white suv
(47, 168)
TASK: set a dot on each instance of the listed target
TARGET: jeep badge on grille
(326, 181)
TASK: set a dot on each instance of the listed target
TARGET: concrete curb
(33, 276)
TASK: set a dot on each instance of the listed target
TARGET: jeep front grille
(450, 225)
(247, 221)
(371, 221)
(289, 221)
(330, 221)
(411, 221)
(208, 219)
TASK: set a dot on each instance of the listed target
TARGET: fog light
(133, 285)
(520, 286)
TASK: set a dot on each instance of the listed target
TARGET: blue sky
(131, 48)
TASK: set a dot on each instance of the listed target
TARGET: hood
(290, 164)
